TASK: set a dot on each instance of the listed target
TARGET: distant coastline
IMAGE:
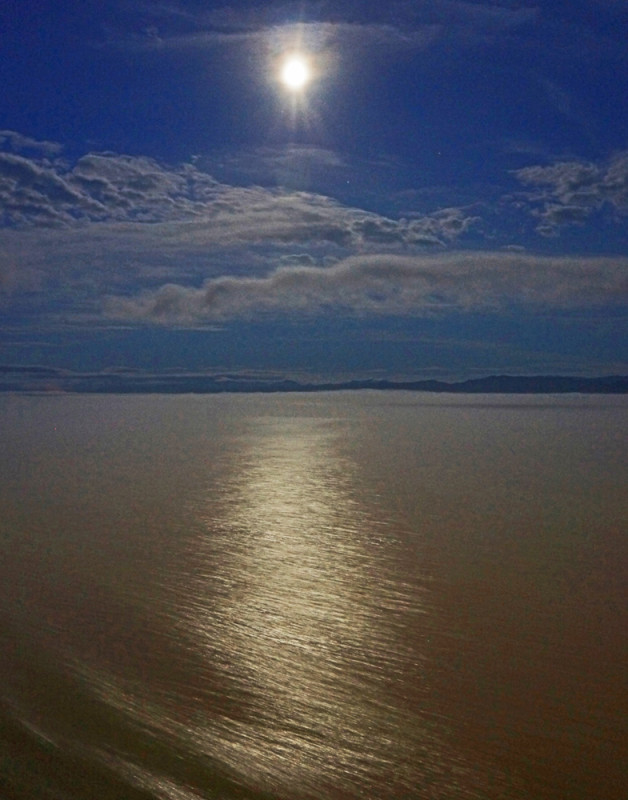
(50, 379)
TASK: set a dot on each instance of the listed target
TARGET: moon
(295, 72)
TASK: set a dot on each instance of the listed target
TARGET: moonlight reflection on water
(310, 619)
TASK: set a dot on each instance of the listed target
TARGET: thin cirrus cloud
(316, 26)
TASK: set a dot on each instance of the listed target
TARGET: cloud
(17, 142)
(108, 188)
(445, 225)
(112, 224)
(16, 277)
(569, 192)
(318, 26)
(569, 181)
(172, 244)
(387, 284)
(100, 186)
(291, 166)
(470, 18)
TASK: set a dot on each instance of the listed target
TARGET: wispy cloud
(316, 26)
(108, 188)
(17, 142)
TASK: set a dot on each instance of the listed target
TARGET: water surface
(383, 595)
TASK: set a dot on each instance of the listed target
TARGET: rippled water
(371, 595)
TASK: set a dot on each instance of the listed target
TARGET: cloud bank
(388, 285)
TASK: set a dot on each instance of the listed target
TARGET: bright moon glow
(295, 73)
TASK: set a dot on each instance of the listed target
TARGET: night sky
(442, 194)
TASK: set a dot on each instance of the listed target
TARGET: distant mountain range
(50, 379)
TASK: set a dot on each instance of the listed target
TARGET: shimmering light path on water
(325, 596)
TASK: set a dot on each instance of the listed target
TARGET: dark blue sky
(446, 197)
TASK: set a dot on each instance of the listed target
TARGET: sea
(326, 596)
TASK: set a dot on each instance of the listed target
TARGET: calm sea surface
(333, 596)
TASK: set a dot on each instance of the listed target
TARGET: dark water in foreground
(325, 596)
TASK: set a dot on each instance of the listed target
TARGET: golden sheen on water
(330, 596)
